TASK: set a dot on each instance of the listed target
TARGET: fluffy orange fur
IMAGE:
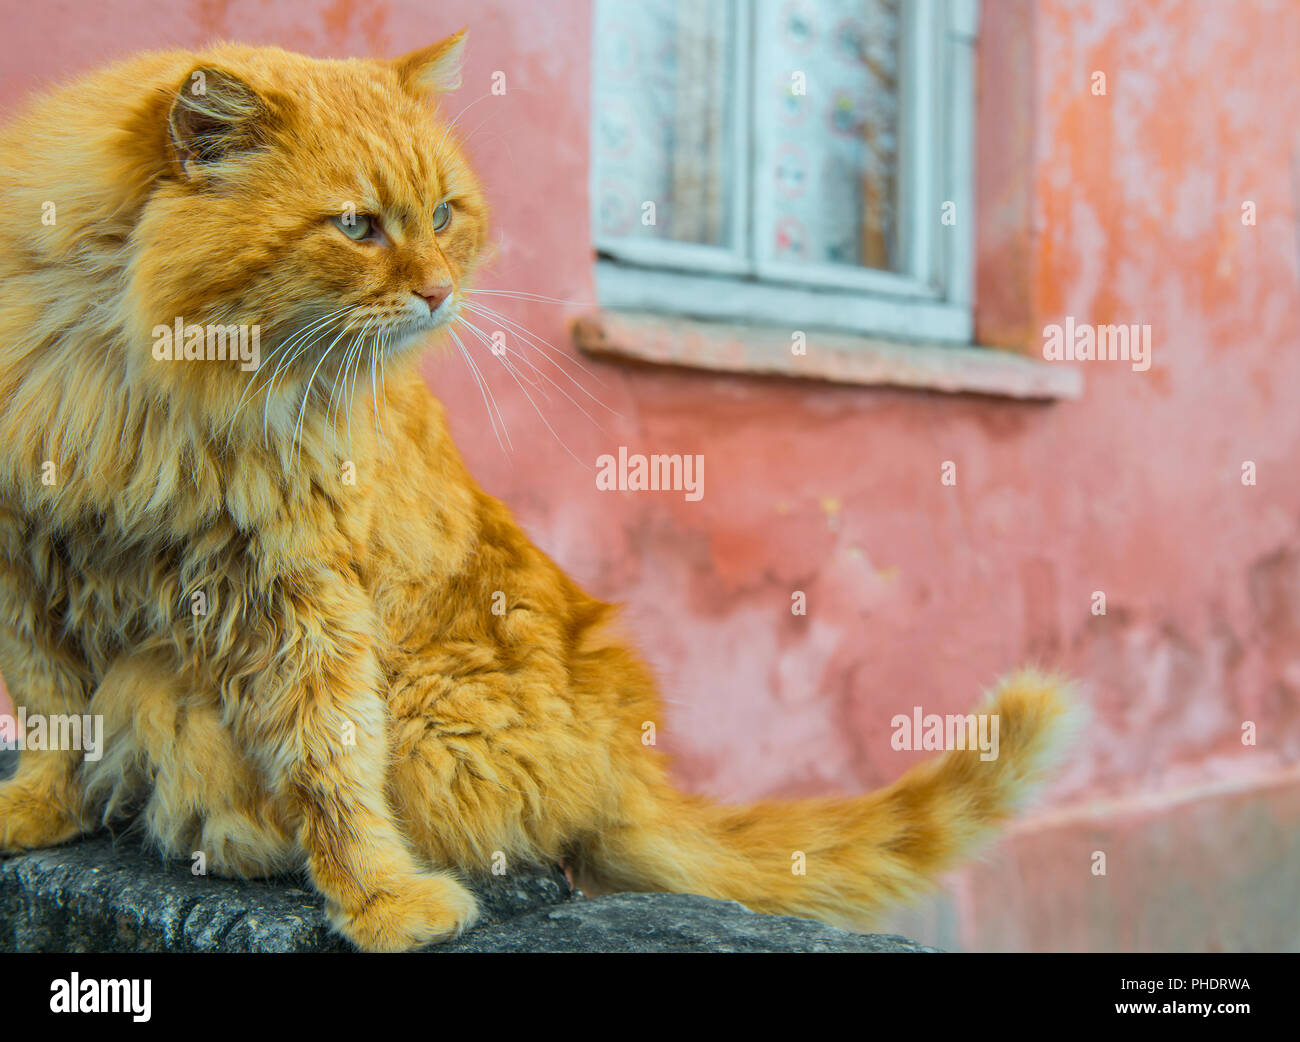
(347, 701)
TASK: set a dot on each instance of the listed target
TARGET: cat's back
(78, 162)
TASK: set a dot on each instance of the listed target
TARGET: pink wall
(1124, 208)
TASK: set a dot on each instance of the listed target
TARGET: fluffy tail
(841, 860)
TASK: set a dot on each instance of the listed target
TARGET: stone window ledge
(836, 357)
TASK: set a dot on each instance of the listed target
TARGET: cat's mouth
(412, 327)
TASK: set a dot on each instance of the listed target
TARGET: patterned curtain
(827, 186)
(662, 129)
(834, 148)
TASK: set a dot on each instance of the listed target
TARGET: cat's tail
(843, 860)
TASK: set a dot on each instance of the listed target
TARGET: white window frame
(931, 299)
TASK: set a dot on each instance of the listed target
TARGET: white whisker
(340, 381)
(577, 405)
(537, 342)
(521, 295)
(540, 415)
(296, 444)
(486, 341)
(250, 388)
(478, 380)
(447, 130)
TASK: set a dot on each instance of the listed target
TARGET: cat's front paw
(26, 824)
(408, 913)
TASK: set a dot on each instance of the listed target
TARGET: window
(801, 162)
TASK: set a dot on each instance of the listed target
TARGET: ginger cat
(346, 701)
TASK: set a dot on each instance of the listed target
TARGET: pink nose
(434, 296)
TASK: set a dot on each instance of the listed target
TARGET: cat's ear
(433, 69)
(215, 116)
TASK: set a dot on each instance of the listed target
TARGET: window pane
(662, 127)
(828, 74)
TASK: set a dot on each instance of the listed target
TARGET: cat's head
(324, 202)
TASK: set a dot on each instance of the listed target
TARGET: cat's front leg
(323, 726)
(41, 804)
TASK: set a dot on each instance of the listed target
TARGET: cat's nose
(434, 295)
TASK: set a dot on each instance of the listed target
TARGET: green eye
(356, 227)
(441, 216)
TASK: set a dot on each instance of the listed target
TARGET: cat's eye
(441, 216)
(356, 226)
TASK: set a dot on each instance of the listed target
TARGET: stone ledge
(668, 923)
(102, 895)
(844, 358)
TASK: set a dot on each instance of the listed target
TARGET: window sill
(837, 357)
